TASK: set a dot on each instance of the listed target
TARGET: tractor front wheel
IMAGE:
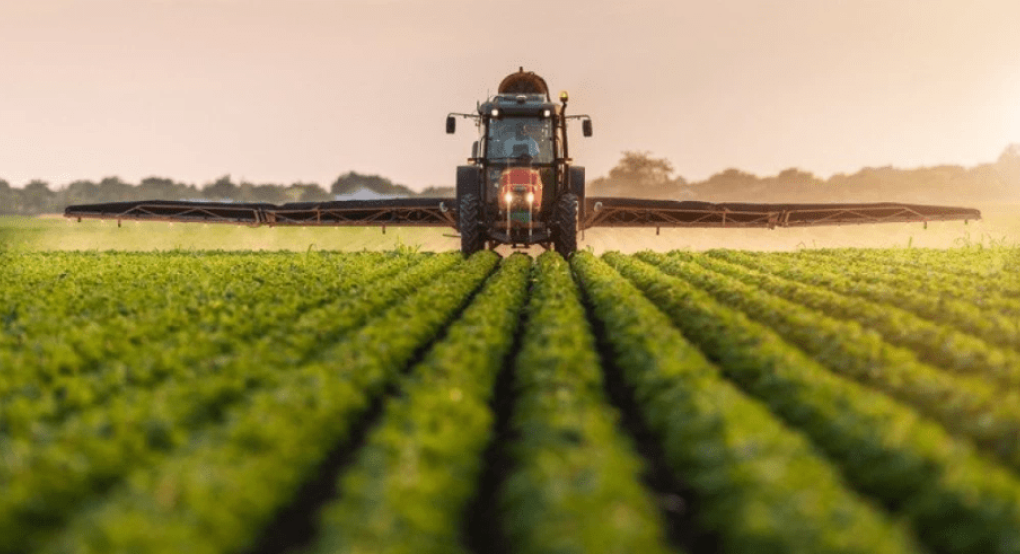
(469, 215)
(564, 231)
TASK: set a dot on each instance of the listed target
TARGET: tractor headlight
(509, 198)
(546, 113)
(531, 197)
(494, 112)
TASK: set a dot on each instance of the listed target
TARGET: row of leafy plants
(760, 486)
(93, 449)
(933, 342)
(194, 325)
(954, 499)
(996, 328)
(999, 292)
(971, 407)
(409, 485)
(217, 492)
(802, 409)
(975, 264)
(575, 485)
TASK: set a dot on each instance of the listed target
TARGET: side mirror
(474, 149)
(451, 125)
(585, 127)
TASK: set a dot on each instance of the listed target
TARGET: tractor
(520, 187)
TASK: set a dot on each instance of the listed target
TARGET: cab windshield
(513, 138)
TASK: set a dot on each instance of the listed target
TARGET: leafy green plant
(575, 486)
(970, 407)
(270, 443)
(994, 328)
(956, 500)
(761, 487)
(407, 490)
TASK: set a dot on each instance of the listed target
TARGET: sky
(281, 91)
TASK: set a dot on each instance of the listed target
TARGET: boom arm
(633, 212)
(599, 212)
(416, 212)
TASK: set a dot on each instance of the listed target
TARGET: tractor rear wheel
(469, 214)
(564, 231)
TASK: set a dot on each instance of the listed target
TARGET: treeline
(637, 175)
(642, 176)
(39, 197)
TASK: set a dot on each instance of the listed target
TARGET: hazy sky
(289, 90)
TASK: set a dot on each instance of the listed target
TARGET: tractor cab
(519, 153)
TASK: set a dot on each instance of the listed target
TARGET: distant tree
(794, 176)
(639, 175)
(439, 192)
(639, 168)
(222, 189)
(732, 178)
(1011, 155)
(245, 192)
(112, 189)
(733, 185)
(81, 192)
(308, 192)
(271, 193)
(161, 188)
(8, 199)
(1008, 168)
(352, 182)
(37, 198)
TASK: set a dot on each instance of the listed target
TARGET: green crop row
(988, 293)
(761, 487)
(955, 500)
(47, 385)
(574, 486)
(181, 360)
(935, 343)
(408, 488)
(79, 296)
(189, 400)
(968, 406)
(82, 313)
(92, 450)
(997, 265)
(93, 293)
(991, 327)
(216, 493)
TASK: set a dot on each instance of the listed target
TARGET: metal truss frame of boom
(599, 212)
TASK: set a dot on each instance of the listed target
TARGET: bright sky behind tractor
(304, 90)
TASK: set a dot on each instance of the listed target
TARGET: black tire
(564, 230)
(469, 216)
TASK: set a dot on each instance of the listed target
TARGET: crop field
(830, 400)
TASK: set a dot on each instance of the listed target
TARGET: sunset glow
(285, 91)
